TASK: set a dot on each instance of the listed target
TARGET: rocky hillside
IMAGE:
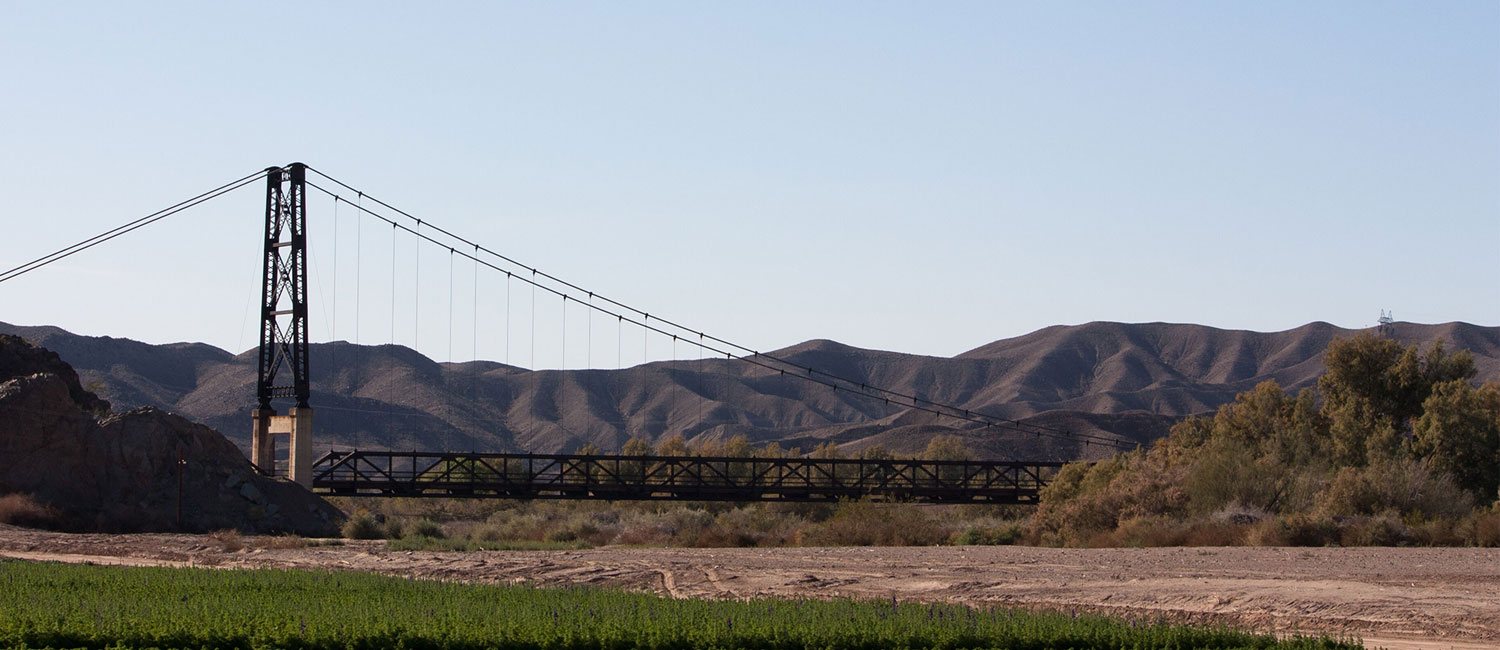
(1128, 380)
(60, 444)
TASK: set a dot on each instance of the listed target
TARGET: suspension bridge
(283, 378)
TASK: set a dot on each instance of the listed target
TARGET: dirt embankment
(1392, 597)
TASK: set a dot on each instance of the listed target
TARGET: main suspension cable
(132, 226)
(763, 360)
(886, 393)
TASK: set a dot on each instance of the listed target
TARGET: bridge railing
(695, 478)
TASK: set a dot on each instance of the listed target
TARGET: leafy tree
(827, 450)
(1375, 387)
(1273, 423)
(947, 447)
(1401, 435)
(737, 446)
(775, 450)
(636, 446)
(1460, 431)
(672, 445)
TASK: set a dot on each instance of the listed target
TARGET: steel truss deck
(675, 478)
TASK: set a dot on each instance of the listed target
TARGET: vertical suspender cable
(333, 322)
(671, 383)
(474, 332)
(619, 343)
(562, 364)
(359, 247)
(588, 348)
(450, 305)
(533, 353)
(416, 288)
(393, 283)
(702, 396)
(507, 318)
(474, 346)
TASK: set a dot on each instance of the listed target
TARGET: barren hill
(1130, 380)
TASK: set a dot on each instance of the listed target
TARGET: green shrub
(989, 535)
(393, 529)
(426, 528)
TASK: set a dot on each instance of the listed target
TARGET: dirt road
(1392, 597)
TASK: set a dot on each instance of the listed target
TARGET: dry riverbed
(1391, 597)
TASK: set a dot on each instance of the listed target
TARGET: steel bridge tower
(283, 363)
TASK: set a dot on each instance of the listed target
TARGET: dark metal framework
(676, 478)
(283, 308)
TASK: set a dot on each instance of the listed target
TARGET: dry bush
(807, 512)
(1215, 533)
(861, 523)
(281, 542)
(664, 528)
(1406, 486)
(1085, 504)
(1384, 529)
(593, 524)
(1266, 533)
(24, 510)
(1438, 532)
(229, 540)
(1485, 527)
(1239, 515)
(750, 526)
(1294, 530)
(362, 526)
(1141, 532)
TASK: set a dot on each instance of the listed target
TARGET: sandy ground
(1390, 597)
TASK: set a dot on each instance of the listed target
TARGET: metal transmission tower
(283, 327)
(1387, 324)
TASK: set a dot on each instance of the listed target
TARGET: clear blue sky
(924, 177)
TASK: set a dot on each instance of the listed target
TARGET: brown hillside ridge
(119, 472)
(1131, 381)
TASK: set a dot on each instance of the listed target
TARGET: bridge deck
(675, 478)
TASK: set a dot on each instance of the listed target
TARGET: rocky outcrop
(19, 358)
(134, 471)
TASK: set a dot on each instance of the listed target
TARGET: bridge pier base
(266, 426)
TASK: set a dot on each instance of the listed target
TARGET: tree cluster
(1391, 432)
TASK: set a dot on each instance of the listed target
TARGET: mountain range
(1124, 381)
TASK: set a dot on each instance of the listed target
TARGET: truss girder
(681, 478)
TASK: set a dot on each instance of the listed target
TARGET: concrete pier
(267, 426)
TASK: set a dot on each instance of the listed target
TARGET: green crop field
(68, 606)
